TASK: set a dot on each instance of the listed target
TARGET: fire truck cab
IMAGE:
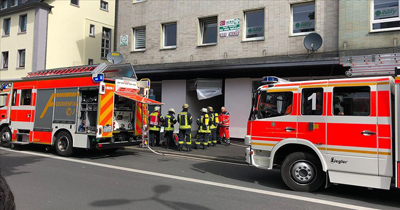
(342, 131)
(96, 106)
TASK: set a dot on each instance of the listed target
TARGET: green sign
(229, 27)
(386, 12)
(310, 24)
(255, 30)
(123, 40)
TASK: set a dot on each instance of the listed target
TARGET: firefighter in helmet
(204, 128)
(170, 121)
(155, 121)
(185, 128)
(224, 120)
(213, 126)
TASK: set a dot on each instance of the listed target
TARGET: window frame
(201, 22)
(302, 102)
(19, 58)
(20, 31)
(5, 5)
(105, 38)
(2, 59)
(134, 38)
(15, 3)
(9, 26)
(4, 96)
(104, 9)
(245, 26)
(292, 20)
(258, 103)
(21, 100)
(163, 35)
(373, 21)
(333, 103)
(92, 33)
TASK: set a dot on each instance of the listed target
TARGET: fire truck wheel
(302, 172)
(5, 137)
(63, 144)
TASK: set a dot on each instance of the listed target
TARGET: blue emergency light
(269, 80)
(98, 78)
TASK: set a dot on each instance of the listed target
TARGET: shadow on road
(17, 161)
(158, 191)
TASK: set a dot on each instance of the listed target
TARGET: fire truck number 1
(313, 98)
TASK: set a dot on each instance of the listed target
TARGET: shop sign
(310, 24)
(123, 40)
(255, 30)
(386, 12)
(229, 28)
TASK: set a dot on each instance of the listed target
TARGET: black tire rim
(303, 172)
(63, 143)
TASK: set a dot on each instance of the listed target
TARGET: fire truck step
(22, 134)
(20, 142)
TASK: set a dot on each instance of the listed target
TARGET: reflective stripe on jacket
(154, 121)
(185, 120)
(224, 119)
(204, 123)
(169, 122)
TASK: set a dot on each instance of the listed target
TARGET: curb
(187, 154)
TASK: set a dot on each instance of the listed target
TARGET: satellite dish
(115, 57)
(313, 41)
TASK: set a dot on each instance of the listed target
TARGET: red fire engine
(342, 131)
(96, 106)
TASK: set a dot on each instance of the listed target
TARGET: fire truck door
(352, 128)
(275, 117)
(312, 116)
(22, 109)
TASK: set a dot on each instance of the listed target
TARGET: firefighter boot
(219, 140)
(228, 142)
(204, 147)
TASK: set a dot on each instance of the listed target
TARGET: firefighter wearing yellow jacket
(185, 128)
(155, 121)
(213, 127)
(204, 129)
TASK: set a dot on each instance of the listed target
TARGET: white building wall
(238, 90)
(173, 95)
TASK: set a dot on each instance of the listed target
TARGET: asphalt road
(141, 180)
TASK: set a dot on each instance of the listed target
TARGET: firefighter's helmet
(204, 110)
(157, 108)
(210, 109)
(185, 106)
(171, 110)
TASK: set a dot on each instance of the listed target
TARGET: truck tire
(5, 137)
(63, 144)
(302, 172)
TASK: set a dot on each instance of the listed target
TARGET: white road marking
(175, 177)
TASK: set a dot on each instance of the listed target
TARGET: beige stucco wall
(354, 28)
(17, 41)
(69, 43)
(278, 41)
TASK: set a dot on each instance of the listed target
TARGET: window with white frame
(75, 2)
(303, 18)
(14, 3)
(208, 30)
(21, 58)
(105, 42)
(4, 4)
(6, 26)
(139, 36)
(104, 5)
(254, 25)
(169, 35)
(4, 60)
(91, 30)
(22, 23)
(385, 15)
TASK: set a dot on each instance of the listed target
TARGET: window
(254, 25)
(91, 30)
(14, 3)
(3, 100)
(75, 2)
(22, 23)
(169, 35)
(26, 97)
(105, 42)
(303, 18)
(6, 26)
(14, 98)
(274, 104)
(4, 60)
(351, 101)
(104, 5)
(385, 15)
(139, 35)
(312, 101)
(21, 58)
(90, 61)
(208, 30)
(4, 4)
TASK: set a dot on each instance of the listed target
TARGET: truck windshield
(274, 104)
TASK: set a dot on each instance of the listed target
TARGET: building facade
(230, 43)
(43, 34)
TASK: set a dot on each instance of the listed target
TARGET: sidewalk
(233, 153)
